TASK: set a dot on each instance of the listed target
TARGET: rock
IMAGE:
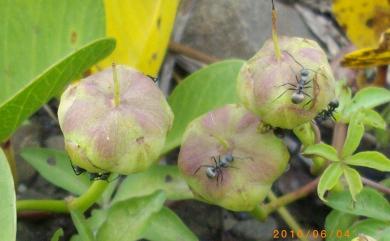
(55, 142)
(230, 28)
(255, 230)
(26, 136)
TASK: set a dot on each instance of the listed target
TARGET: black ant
(216, 170)
(92, 176)
(327, 113)
(303, 81)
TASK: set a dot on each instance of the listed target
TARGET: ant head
(297, 98)
(304, 73)
(228, 158)
(334, 103)
(211, 172)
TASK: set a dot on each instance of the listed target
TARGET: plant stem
(192, 53)
(86, 200)
(81, 203)
(376, 185)
(10, 155)
(290, 197)
(117, 97)
(290, 221)
(278, 54)
(57, 206)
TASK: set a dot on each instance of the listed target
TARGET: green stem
(290, 197)
(86, 200)
(56, 206)
(287, 217)
(81, 203)
(278, 53)
(117, 98)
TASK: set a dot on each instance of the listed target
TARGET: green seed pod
(269, 87)
(106, 132)
(246, 162)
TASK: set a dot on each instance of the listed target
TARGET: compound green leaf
(167, 226)
(338, 222)
(166, 178)
(367, 98)
(127, 219)
(373, 119)
(354, 135)
(354, 181)
(7, 201)
(371, 159)
(329, 179)
(369, 203)
(202, 91)
(323, 150)
(46, 85)
(55, 166)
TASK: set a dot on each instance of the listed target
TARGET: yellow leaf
(142, 29)
(362, 20)
(369, 57)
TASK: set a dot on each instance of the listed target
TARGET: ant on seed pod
(328, 113)
(303, 80)
(92, 176)
(216, 170)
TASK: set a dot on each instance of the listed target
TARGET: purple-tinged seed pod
(290, 91)
(104, 136)
(246, 161)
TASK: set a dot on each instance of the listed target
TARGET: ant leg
(303, 92)
(294, 59)
(308, 102)
(287, 84)
(283, 93)
(221, 177)
(201, 167)
(76, 169)
(305, 83)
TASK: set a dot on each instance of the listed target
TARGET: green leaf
(371, 159)
(377, 229)
(368, 203)
(354, 135)
(202, 91)
(166, 178)
(98, 216)
(367, 98)
(323, 150)
(337, 221)
(373, 119)
(57, 235)
(343, 95)
(167, 226)
(37, 92)
(55, 166)
(305, 134)
(36, 34)
(354, 181)
(81, 226)
(127, 219)
(7, 201)
(329, 179)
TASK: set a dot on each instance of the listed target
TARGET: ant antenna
(295, 60)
